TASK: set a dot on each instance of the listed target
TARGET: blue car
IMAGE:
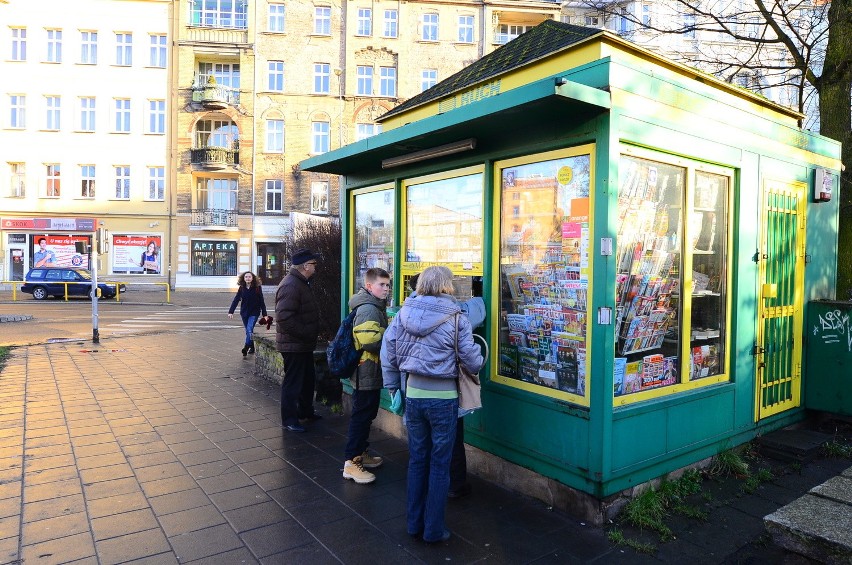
(48, 281)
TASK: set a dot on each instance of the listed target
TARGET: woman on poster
(149, 262)
(250, 293)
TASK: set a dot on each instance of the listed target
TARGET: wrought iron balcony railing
(214, 157)
(215, 95)
(214, 217)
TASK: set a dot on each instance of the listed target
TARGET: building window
(158, 51)
(276, 18)
(391, 23)
(19, 178)
(365, 22)
(365, 80)
(122, 115)
(275, 195)
(124, 49)
(387, 81)
(646, 15)
(18, 111)
(52, 188)
(689, 26)
(87, 177)
(321, 78)
(276, 76)
(87, 113)
(319, 197)
(156, 116)
(319, 137)
(363, 131)
(625, 22)
(214, 258)
(428, 79)
(226, 74)
(216, 133)
(218, 13)
(217, 194)
(274, 136)
(322, 21)
(430, 27)
(88, 47)
(156, 183)
(19, 44)
(122, 182)
(593, 21)
(54, 104)
(465, 29)
(54, 45)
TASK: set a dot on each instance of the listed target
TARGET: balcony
(214, 158)
(213, 218)
(504, 38)
(221, 36)
(215, 96)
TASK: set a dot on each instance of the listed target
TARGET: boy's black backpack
(342, 355)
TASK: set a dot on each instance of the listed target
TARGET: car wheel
(39, 293)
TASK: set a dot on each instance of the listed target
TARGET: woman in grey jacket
(421, 343)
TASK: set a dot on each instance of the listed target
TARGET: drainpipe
(252, 243)
(172, 160)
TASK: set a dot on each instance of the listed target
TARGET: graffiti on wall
(834, 327)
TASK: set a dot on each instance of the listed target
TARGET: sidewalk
(167, 449)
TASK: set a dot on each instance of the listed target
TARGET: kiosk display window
(444, 226)
(374, 211)
(671, 278)
(544, 273)
(444, 221)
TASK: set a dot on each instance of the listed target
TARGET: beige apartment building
(84, 135)
(263, 84)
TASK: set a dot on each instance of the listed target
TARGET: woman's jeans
(431, 424)
(249, 324)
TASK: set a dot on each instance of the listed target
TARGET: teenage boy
(371, 320)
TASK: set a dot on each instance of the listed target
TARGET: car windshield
(85, 274)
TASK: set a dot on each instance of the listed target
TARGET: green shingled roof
(544, 39)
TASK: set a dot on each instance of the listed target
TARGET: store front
(641, 235)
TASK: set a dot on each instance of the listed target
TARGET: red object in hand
(265, 320)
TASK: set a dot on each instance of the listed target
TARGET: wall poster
(58, 250)
(545, 235)
(137, 254)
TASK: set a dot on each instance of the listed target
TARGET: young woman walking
(250, 294)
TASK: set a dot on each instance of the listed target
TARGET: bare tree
(797, 53)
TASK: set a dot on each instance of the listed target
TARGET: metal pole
(96, 338)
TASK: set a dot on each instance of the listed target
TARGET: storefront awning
(487, 121)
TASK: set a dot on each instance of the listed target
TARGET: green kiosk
(646, 239)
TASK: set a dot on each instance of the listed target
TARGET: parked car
(48, 281)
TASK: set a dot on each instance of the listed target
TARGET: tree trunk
(835, 90)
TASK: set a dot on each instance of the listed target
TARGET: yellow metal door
(781, 295)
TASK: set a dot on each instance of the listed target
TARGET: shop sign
(201, 245)
(17, 238)
(42, 224)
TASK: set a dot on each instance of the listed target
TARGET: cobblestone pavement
(165, 448)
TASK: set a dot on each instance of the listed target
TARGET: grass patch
(649, 510)
(729, 463)
(617, 537)
(4, 353)
(753, 481)
(833, 448)
(337, 409)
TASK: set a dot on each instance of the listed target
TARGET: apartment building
(263, 84)
(182, 123)
(83, 132)
(766, 70)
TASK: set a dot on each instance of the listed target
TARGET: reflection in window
(544, 267)
(444, 222)
(373, 239)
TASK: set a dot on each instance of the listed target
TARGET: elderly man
(298, 322)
